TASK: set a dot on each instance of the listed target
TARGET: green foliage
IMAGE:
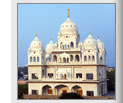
(22, 89)
(111, 80)
(70, 96)
(22, 69)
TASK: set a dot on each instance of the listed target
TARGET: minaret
(35, 51)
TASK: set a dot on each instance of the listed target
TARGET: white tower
(102, 52)
(89, 51)
(35, 52)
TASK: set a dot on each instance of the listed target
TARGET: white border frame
(119, 51)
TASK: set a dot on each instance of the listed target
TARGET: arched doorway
(47, 90)
(61, 89)
(77, 89)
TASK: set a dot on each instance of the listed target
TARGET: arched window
(93, 58)
(67, 60)
(89, 57)
(64, 60)
(61, 46)
(77, 58)
(85, 58)
(34, 59)
(101, 59)
(55, 58)
(30, 59)
(60, 60)
(37, 59)
(71, 57)
(66, 46)
(71, 45)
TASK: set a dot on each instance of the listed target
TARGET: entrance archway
(77, 89)
(61, 89)
(47, 90)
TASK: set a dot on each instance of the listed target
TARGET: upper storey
(68, 49)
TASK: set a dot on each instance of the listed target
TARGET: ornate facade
(68, 65)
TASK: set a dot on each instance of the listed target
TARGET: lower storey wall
(84, 89)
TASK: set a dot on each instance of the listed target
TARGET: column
(40, 91)
(41, 73)
(54, 73)
(29, 89)
(73, 72)
(53, 90)
(70, 89)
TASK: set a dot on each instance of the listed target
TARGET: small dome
(55, 44)
(50, 45)
(100, 44)
(90, 42)
(36, 43)
(68, 26)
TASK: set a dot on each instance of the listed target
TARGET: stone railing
(69, 49)
(60, 63)
(61, 80)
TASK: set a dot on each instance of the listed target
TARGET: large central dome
(68, 26)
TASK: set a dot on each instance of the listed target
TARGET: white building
(68, 65)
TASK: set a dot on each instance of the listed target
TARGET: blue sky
(45, 20)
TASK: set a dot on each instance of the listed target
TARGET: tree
(111, 80)
(22, 71)
(22, 89)
(70, 96)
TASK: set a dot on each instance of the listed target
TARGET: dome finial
(98, 37)
(50, 38)
(90, 33)
(68, 13)
(36, 34)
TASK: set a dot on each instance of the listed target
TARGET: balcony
(62, 80)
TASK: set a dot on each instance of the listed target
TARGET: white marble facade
(67, 65)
